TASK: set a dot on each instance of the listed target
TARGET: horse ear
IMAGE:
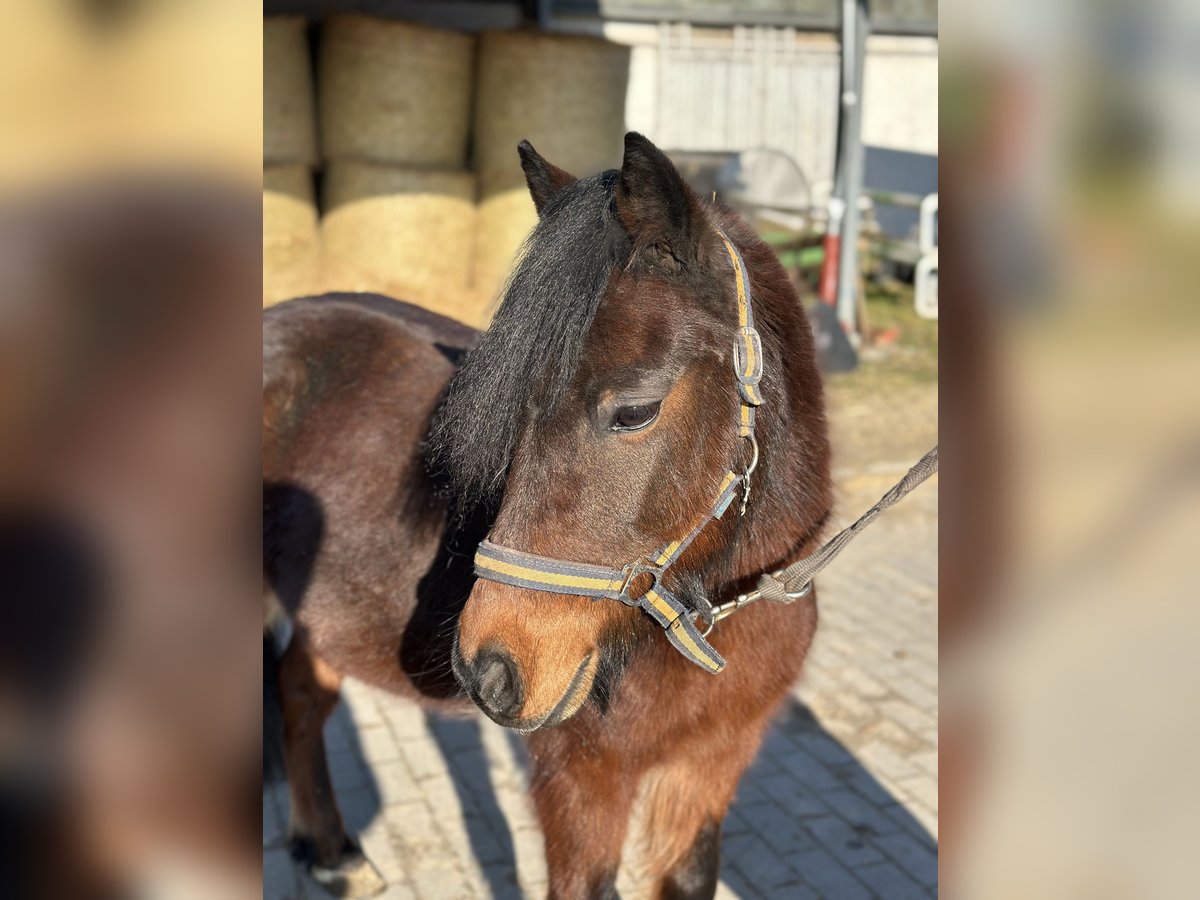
(657, 208)
(544, 179)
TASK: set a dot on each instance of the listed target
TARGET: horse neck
(791, 490)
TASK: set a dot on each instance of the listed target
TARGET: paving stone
(918, 860)
(348, 770)
(280, 878)
(377, 744)
(399, 890)
(359, 808)
(889, 883)
(776, 828)
(922, 788)
(394, 782)
(860, 813)
(843, 840)
(828, 877)
(274, 821)
(443, 884)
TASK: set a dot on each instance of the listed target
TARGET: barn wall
(731, 89)
(900, 108)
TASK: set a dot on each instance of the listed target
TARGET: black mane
(526, 359)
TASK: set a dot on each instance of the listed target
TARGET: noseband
(541, 573)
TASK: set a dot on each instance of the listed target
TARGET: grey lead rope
(795, 581)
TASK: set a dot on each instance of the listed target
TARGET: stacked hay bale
(566, 95)
(404, 232)
(394, 92)
(290, 248)
(399, 202)
(403, 215)
(289, 121)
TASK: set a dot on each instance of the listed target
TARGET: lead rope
(790, 584)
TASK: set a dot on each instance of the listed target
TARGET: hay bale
(566, 95)
(394, 92)
(291, 257)
(289, 119)
(563, 93)
(505, 218)
(408, 233)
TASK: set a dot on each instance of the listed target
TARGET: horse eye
(634, 418)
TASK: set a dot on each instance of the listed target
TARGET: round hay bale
(394, 92)
(505, 219)
(291, 257)
(408, 233)
(564, 94)
(289, 120)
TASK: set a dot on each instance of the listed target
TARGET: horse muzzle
(493, 680)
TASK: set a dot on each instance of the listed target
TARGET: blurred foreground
(1072, 440)
(129, 371)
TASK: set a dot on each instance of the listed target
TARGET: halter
(542, 573)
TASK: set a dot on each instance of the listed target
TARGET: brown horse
(592, 422)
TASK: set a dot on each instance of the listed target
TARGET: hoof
(354, 876)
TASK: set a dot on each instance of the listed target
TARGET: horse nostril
(498, 683)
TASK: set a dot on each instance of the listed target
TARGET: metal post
(855, 25)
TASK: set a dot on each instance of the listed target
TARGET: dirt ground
(884, 415)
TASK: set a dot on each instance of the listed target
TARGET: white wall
(900, 94)
(732, 89)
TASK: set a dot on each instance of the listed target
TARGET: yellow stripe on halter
(697, 652)
(740, 279)
(661, 605)
(668, 552)
(550, 578)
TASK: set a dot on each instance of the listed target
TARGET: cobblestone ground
(841, 803)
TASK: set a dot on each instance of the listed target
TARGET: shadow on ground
(359, 802)
(809, 820)
(491, 840)
(359, 799)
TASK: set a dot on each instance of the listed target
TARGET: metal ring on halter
(746, 475)
(754, 459)
(632, 571)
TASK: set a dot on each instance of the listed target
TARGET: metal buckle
(739, 359)
(633, 570)
(727, 609)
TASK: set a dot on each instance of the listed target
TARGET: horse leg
(686, 803)
(308, 689)
(694, 876)
(584, 812)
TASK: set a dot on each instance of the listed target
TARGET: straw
(290, 248)
(564, 94)
(394, 92)
(289, 128)
(405, 232)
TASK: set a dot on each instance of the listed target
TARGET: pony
(592, 421)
